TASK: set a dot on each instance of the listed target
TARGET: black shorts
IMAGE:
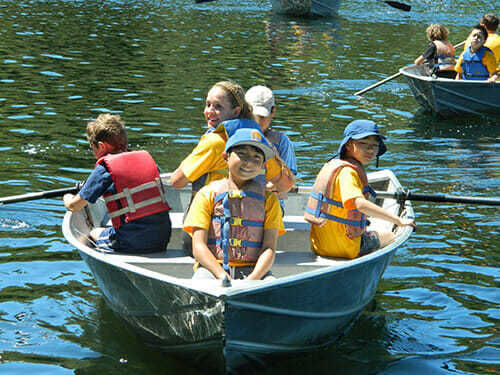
(369, 242)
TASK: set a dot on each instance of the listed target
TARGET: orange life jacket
(319, 203)
(445, 55)
(139, 191)
(237, 228)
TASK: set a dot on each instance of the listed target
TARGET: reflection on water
(64, 62)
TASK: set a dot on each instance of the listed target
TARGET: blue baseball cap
(230, 126)
(359, 129)
(250, 137)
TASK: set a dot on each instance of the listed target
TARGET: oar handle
(442, 198)
(41, 194)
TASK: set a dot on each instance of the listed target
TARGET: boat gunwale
(451, 81)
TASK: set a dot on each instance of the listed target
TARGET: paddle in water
(402, 196)
(41, 195)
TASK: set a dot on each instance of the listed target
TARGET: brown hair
(236, 98)
(490, 21)
(110, 129)
(482, 29)
(437, 32)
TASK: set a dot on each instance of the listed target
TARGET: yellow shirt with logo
(331, 238)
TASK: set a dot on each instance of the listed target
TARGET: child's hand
(407, 223)
(314, 220)
(67, 198)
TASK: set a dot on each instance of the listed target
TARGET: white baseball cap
(262, 100)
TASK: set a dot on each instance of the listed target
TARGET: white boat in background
(308, 8)
(312, 301)
(449, 97)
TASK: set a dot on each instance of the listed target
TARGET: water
(64, 62)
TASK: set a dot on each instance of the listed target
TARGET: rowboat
(308, 8)
(448, 97)
(312, 301)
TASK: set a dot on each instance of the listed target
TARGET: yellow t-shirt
(493, 43)
(206, 157)
(488, 60)
(331, 239)
(202, 207)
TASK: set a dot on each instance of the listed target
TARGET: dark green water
(64, 62)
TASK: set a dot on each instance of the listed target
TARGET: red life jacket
(139, 191)
(237, 227)
(319, 203)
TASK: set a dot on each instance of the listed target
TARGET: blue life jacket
(472, 65)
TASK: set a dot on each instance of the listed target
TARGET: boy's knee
(95, 233)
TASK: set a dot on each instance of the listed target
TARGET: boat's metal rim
(404, 72)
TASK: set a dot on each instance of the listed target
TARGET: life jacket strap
(134, 206)
(324, 215)
(240, 222)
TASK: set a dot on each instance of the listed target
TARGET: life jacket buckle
(235, 242)
(235, 194)
(236, 221)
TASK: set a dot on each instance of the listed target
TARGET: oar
(40, 195)
(444, 198)
(391, 77)
(398, 5)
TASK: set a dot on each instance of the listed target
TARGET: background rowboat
(312, 8)
(447, 97)
(312, 301)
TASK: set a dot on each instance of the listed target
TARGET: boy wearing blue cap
(235, 222)
(338, 203)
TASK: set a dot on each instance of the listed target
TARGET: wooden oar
(40, 195)
(391, 77)
(444, 198)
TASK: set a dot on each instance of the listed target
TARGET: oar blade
(398, 5)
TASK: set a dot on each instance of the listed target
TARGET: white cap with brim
(261, 99)
(250, 137)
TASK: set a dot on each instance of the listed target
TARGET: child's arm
(204, 256)
(266, 259)
(371, 209)
(419, 60)
(74, 202)
(179, 179)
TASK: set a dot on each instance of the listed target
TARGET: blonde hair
(236, 98)
(437, 32)
(110, 129)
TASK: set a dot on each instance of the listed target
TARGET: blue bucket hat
(251, 137)
(359, 129)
